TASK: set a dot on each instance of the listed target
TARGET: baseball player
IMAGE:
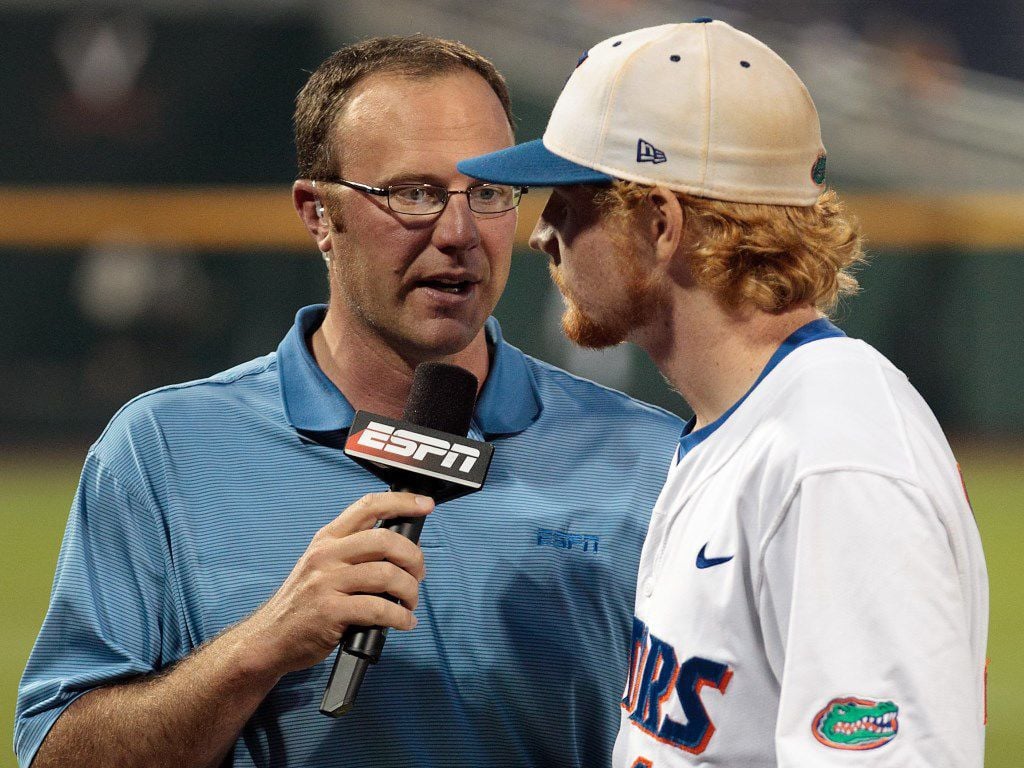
(812, 590)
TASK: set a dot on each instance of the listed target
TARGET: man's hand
(192, 714)
(338, 582)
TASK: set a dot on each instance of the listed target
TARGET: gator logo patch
(852, 723)
(818, 170)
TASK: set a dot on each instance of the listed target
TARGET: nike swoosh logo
(707, 562)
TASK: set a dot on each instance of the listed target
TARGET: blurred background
(147, 235)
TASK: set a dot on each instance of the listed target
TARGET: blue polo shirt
(197, 500)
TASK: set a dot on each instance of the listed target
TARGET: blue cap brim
(530, 165)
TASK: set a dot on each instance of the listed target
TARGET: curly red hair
(772, 257)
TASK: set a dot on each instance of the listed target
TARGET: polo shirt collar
(508, 403)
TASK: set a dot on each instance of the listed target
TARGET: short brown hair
(324, 95)
(772, 257)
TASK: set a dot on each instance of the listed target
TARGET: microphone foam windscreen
(442, 398)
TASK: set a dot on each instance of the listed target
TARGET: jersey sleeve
(862, 591)
(104, 619)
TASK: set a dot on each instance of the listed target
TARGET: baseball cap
(698, 107)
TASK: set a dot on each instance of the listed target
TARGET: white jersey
(812, 591)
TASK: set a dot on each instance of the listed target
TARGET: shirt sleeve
(104, 619)
(861, 587)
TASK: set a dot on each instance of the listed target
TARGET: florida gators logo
(852, 723)
(818, 170)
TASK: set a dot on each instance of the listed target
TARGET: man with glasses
(220, 542)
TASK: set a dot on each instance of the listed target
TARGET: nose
(543, 236)
(456, 229)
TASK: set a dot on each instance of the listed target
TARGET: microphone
(426, 452)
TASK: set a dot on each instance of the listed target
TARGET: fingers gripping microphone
(425, 453)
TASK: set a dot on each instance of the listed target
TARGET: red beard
(641, 300)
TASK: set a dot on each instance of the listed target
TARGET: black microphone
(425, 453)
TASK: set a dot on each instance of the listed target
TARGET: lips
(453, 284)
(448, 287)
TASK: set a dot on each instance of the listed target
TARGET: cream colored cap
(699, 107)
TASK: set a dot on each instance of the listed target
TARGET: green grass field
(36, 490)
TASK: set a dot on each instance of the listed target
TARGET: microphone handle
(368, 642)
(410, 527)
(362, 646)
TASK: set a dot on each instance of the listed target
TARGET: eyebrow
(410, 178)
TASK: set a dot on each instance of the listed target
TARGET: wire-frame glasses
(429, 199)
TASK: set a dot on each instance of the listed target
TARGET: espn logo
(405, 443)
(562, 540)
(424, 451)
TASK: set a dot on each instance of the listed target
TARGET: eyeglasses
(428, 199)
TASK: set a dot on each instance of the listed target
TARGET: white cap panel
(698, 107)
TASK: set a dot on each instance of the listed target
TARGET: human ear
(306, 197)
(667, 222)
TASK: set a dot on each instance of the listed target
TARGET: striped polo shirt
(198, 499)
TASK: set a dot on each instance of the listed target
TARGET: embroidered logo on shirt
(855, 723)
(707, 562)
(582, 542)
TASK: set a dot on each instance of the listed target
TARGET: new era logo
(648, 153)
